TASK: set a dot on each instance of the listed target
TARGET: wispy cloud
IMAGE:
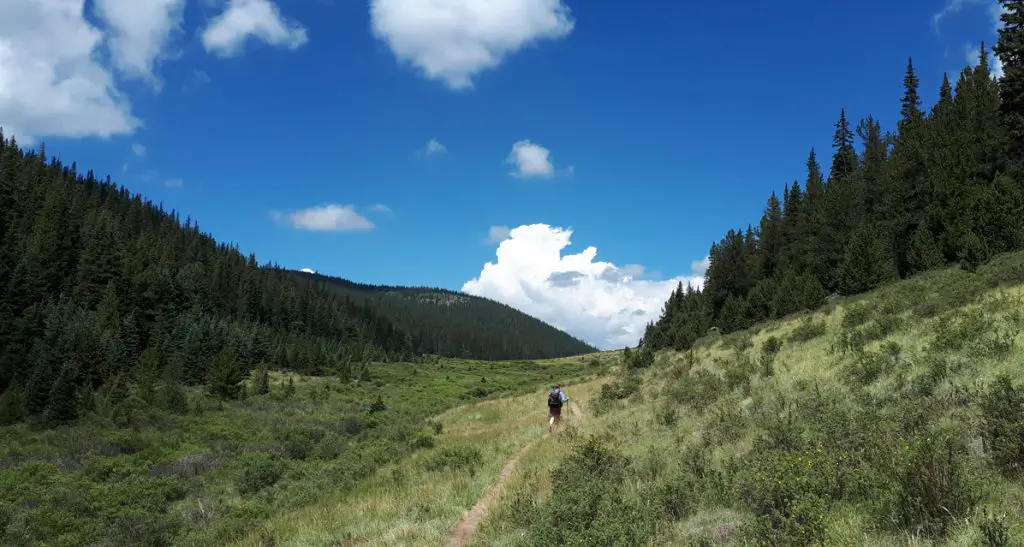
(139, 149)
(175, 183)
(433, 147)
(380, 208)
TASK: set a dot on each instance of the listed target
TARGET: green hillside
(454, 324)
(890, 418)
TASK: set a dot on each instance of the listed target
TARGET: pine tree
(63, 404)
(910, 110)
(11, 405)
(225, 377)
(771, 241)
(1010, 49)
(923, 252)
(867, 263)
(147, 373)
(260, 380)
(844, 161)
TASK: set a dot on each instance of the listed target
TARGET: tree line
(454, 324)
(104, 292)
(944, 188)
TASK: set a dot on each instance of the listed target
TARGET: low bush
(1002, 415)
(259, 471)
(456, 458)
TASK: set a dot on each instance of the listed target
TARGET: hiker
(556, 398)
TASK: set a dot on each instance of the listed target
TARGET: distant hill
(455, 324)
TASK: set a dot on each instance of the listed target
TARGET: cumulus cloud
(497, 234)
(453, 40)
(51, 82)
(308, 270)
(138, 31)
(174, 183)
(434, 147)
(532, 161)
(326, 218)
(259, 19)
(604, 304)
(139, 149)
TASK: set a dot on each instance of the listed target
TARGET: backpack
(555, 399)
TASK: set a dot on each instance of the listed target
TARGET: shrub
(1002, 414)
(259, 471)
(856, 314)
(807, 330)
(699, 390)
(769, 350)
(455, 458)
(589, 505)
(866, 367)
(994, 532)
(934, 488)
(422, 439)
(298, 442)
(667, 415)
(789, 494)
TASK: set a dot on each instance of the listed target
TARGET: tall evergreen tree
(1010, 49)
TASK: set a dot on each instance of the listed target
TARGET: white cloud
(951, 7)
(531, 160)
(138, 32)
(434, 147)
(606, 305)
(326, 218)
(139, 149)
(124, 168)
(174, 183)
(308, 270)
(497, 234)
(260, 19)
(51, 83)
(380, 208)
(453, 40)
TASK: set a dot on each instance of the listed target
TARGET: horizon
(577, 126)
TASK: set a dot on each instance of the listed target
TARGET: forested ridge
(102, 289)
(945, 187)
(454, 324)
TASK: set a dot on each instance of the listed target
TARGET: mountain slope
(103, 289)
(455, 324)
(891, 418)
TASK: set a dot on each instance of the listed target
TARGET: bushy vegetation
(901, 418)
(134, 474)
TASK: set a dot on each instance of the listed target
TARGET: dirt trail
(466, 527)
(468, 522)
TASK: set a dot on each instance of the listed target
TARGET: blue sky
(665, 124)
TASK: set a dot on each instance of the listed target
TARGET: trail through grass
(423, 499)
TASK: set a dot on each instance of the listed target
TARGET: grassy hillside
(128, 473)
(455, 324)
(894, 418)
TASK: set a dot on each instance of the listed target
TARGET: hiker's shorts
(556, 412)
